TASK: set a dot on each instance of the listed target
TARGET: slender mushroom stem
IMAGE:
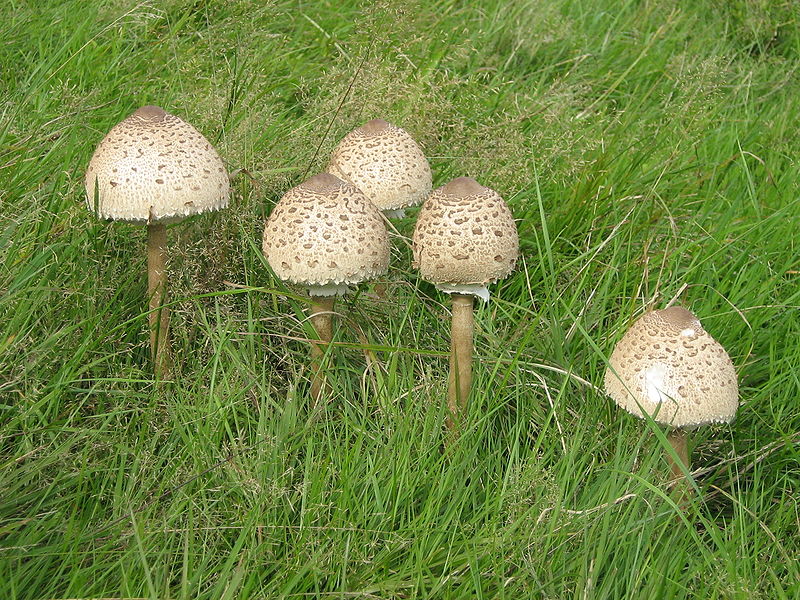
(460, 380)
(157, 292)
(321, 318)
(678, 439)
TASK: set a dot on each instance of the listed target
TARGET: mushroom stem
(157, 292)
(321, 319)
(460, 380)
(678, 439)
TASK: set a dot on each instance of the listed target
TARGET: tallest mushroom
(154, 168)
(465, 238)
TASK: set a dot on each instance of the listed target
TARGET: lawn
(648, 150)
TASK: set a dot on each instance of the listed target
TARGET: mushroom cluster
(329, 233)
(319, 236)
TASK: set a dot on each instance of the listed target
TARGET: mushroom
(464, 239)
(385, 163)
(668, 367)
(325, 234)
(155, 168)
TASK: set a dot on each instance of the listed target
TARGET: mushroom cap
(154, 166)
(669, 367)
(465, 234)
(385, 163)
(325, 231)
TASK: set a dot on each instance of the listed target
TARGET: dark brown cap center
(375, 127)
(678, 317)
(150, 113)
(322, 183)
(463, 186)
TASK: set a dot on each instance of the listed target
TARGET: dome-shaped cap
(465, 234)
(325, 231)
(385, 163)
(154, 166)
(668, 366)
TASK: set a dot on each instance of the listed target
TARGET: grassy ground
(647, 148)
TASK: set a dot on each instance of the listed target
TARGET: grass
(648, 151)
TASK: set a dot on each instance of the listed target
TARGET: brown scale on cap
(676, 372)
(465, 234)
(325, 231)
(154, 166)
(385, 163)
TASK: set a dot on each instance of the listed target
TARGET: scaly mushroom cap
(465, 235)
(154, 166)
(385, 163)
(668, 366)
(325, 231)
